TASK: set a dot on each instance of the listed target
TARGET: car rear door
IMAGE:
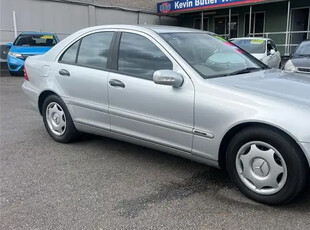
(140, 108)
(82, 73)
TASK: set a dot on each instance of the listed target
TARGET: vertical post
(14, 24)
(287, 35)
(250, 20)
(91, 15)
(308, 34)
(229, 23)
(201, 24)
(138, 18)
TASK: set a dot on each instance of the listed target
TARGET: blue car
(28, 44)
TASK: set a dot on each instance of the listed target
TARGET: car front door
(142, 109)
(82, 75)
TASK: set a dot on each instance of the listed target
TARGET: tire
(266, 165)
(57, 120)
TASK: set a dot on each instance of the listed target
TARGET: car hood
(30, 50)
(279, 85)
(301, 62)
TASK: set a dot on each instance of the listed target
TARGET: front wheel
(266, 165)
(57, 120)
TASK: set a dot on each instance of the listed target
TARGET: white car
(264, 49)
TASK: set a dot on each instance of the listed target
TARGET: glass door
(299, 22)
(221, 25)
(258, 24)
(197, 24)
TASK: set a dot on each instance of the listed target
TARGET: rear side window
(139, 57)
(69, 56)
(94, 50)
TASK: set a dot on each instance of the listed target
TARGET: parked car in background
(25, 45)
(182, 91)
(264, 49)
(300, 59)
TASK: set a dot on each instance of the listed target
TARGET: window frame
(79, 40)
(254, 21)
(226, 17)
(116, 49)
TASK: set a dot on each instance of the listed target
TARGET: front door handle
(64, 72)
(116, 83)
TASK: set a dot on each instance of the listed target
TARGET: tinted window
(70, 55)
(35, 40)
(94, 50)
(138, 56)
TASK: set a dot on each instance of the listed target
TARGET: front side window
(212, 56)
(94, 50)
(270, 47)
(35, 40)
(139, 57)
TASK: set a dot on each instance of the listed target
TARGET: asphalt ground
(100, 183)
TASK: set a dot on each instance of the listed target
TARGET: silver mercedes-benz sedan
(181, 91)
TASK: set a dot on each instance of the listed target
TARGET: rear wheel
(57, 120)
(266, 165)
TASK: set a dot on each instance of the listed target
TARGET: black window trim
(115, 56)
(110, 54)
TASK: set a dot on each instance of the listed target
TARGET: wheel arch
(43, 96)
(237, 128)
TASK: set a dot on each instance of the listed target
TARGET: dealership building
(287, 22)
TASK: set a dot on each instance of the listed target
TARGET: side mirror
(168, 77)
(9, 44)
(272, 52)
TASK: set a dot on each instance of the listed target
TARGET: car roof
(171, 29)
(148, 28)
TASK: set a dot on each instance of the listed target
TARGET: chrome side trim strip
(152, 121)
(88, 105)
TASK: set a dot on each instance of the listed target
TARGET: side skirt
(123, 137)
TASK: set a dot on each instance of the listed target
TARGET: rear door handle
(116, 83)
(64, 72)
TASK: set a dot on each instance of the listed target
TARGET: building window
(221, 26)
(197, 24)
(258, 24)
(300, 21)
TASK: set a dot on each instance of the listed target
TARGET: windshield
(303, 49)
(35, 40)
(253, 46)
(212, 56)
